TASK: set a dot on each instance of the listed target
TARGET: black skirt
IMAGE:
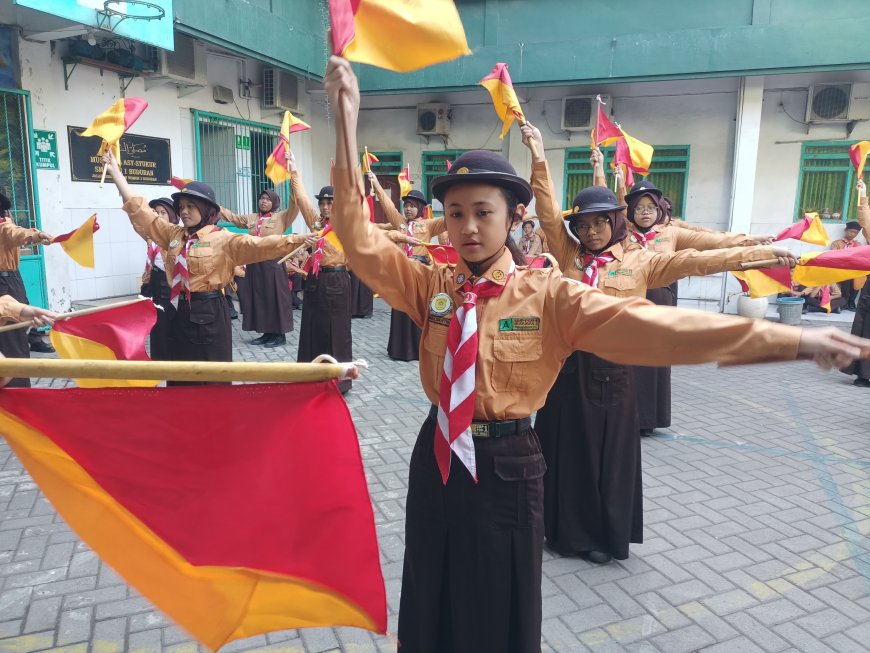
(200, 331)
(158, 290)
(14, 344)
(861, 327)
(588, 428)
(404, 342)
(653, 384)
(267, 304)
(326, 319)
(362, 302)
(473, 552)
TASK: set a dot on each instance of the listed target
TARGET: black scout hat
(849, 225)
(643, 187)
(197, 190)
(415, 196)
(326, 193)
(483, 167)
(595, 199)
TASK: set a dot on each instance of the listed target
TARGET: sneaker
(276, 341)
(262, 340)
(41, 347)
(861, 382)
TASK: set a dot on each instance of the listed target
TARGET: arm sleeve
(864, 218)
(589, 320)
(244, 249)
(682, 224)
(665, 268)
(702, 240)
(150, 225)
(243, 221)
(434, 227)
(550, 215)
(287, 216)
(15, 236)
(390, 211)
(309, 213)
(402, 282)
(10, 309)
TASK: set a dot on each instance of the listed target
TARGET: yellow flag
(79, 243)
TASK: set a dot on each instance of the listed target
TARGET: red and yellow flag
(114, 123)
(79, 243)
(832, 266)
(114, 334)
(809, 230)
(605, 132)
(405, 185)
(442, 254)
(765, 281)
(232, 522)
(858, 154)
(179, 182)
(825, 298)
(397, 35)
(368, 159)
(504, 99)
(278, 163)
(636, 154)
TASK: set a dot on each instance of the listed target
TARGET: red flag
(179, 182)
(809, 230)
(832, 266)
(504, 98)
(764, 282)
(605, 132)
(370, 201)
(858, 155)
(233, 522)
(442, 254)
(449, 164)
(622, 157)
(825, 298)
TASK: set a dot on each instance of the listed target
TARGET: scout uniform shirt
(421, 229)
(217, 251)
(12, 237)
(526, 332)
(332, 256)
(10, 309)
(268, 224)
(634, 269)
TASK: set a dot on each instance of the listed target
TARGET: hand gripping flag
(832, 266)
(114, 123)
(858, 155)
(605, 132)
(278, 163)
(764, 281)
(114, 334)
(399, 35)
(405, 185)
(504, 99)
(232, 522)
(79, 243)
(809, 230)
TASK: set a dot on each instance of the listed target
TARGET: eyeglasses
(597, 225)
(646, 209)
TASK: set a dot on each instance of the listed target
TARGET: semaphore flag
(79, 243)
(114, 123)
(504, 99)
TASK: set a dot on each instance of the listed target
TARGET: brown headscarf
(273, 197)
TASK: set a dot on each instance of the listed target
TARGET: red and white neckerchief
(850, 243)
(318, 251)
(409, 231)
(260, 220)
(151, 256)
(456, 394)
(180, 272)
(644, 239)
(590, 267)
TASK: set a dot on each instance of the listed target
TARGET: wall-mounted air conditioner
(433, 118)
(838, 102)
(185, 66)
(579, 112)
(280, 90)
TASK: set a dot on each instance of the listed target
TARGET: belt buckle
(479, 430)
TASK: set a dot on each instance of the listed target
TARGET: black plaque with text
(145, 160)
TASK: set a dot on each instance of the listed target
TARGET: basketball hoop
(121, 10)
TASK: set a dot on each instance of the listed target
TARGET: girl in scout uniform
(494, 336)
(265, 298)
(861, 323)
(588, 426)
(404, 341)
(155, 284)
(201, 257)
(11, 310)
(14, 344)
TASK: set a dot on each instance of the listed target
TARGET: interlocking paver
(757, 509)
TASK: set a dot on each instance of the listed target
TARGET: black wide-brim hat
(483, 167)
(415, 196)
(198, 190)
(849, 225)
(326, 193)
(594, 199)
(643, 187)
(165, 201)
(5, 204)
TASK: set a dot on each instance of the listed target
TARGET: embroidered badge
(173, 243)
(497, 275)
(519, 324)
(441, 304)
(460, 278)
(202, 243)
(462, 171)
(621, 272)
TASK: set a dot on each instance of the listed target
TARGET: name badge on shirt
(202, 243)
(519, 324)
(620, 272)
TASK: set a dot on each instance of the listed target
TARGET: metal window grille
(435, 165)
(827, 182)
(16, 177)
(389, 163)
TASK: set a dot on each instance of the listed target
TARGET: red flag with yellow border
(232, 522)
(397, 35)
(114, 123)
(858, 155)
(605, 132)
(504, 98)
(809, 230)
(79, 243)
(368, 159)
(832, 266)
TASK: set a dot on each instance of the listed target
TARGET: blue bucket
(790, 309)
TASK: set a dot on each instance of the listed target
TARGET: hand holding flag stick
(113, 123)
(784, 259)
(531, 139)
(65, 316)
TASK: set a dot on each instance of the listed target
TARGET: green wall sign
(243, 142)
(46, 150)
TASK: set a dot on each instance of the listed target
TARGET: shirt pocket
(516, 500)
(620, 282)
(435, 345)
(516, 364)
(202, 262)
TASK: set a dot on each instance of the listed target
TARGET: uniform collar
(616, 249)
(498, 272)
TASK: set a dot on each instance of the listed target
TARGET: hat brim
(520, 187)
(594, 208)
(324, 197)
(411, 198)
(646, 191)
(176, 197)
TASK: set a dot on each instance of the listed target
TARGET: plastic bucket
(790, 309)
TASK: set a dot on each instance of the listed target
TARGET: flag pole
(103, 176)
(292, 254)
(532, 146)
(67, 316)
(203, 371)
(754, 265)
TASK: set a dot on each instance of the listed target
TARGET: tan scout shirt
(635, 269)
(864, 218)
(423, 229)
(271, 224)
(332, 256)
(526, 333)
(10, 309)
(212, 259)
(12, 237)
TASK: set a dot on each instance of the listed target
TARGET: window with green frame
(435, 165)
(827, 182)
(669, 171)
(388, 163)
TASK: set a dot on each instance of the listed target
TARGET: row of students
(494, 335)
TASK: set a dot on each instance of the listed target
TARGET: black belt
(333, 268)
(494, 429)
(210, 294)
(8, 274)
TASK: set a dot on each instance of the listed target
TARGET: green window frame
(669, 171)
(388, 164)
(434, 164)
(826, 182)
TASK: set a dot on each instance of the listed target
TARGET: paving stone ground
(757, 512)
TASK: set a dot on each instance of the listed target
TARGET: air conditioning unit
(838, 102)
(579, 112)
(280, 90)
(185, 66)
(433, 119)
(222, 94)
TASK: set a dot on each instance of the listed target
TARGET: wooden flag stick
(66, 316)
(532, 145)
(52, 368)
(103, 177)
(292, 254)
(767, 263)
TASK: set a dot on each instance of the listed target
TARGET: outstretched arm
(667, 267)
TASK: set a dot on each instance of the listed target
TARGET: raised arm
(395, 218)
(309, 213)
(148, 224)
(863, 210)
(596, 160)
(667, 267)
